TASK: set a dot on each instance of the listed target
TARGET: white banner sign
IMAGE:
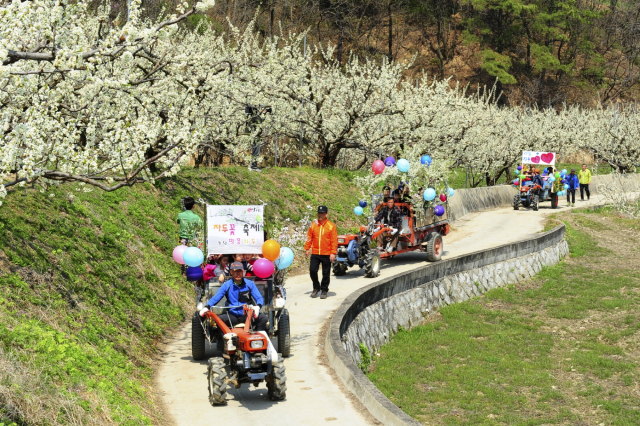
(539, 157)
(235, 229)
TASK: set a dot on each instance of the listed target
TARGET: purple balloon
(389, 161)
(194, 273)
(438, 210)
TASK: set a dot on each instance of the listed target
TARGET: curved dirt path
(314, 397)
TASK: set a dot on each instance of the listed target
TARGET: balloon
(377, 167)
(564, 171)
(429, 194)
(557, 175)
(263, 268)
(194, 273)
(516, 182)
(270, 250)
(563, 181)
(363, 204)
(178, 252)
(566, 186)
(516, 172)
(389, 161)
(193, 256)
(552, 179)
(358, 211)
(519, 167)
(450, 192)
(285, 259)
(438, 210)
(443, 197)
(562, 193)
(523, 176)
(403, 165)
(426, 160)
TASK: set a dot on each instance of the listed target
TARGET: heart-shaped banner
(548, 158)
(535, 159)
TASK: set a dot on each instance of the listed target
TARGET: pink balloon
(377, 167)
(178, 252)
(263, 268)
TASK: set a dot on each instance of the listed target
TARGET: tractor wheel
(284, 334)
(516, 202)
(534, 203)
(217, 381)
(277, 384)
(339, 269)
(197, 338)
(372, 264)
(434, 247)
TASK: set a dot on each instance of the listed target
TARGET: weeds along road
(314, 396)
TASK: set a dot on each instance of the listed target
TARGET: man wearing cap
(574, 183)
(239, 291)
(322, 246)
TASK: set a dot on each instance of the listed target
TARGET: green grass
(560, 349)
(88, 287)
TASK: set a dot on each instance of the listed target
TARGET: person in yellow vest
(584, 176)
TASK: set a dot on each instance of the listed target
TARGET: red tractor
(249, 354)
(421, 230)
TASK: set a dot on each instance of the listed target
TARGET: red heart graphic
(535, 159)
(547, 158)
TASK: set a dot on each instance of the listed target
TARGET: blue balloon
(564, 171)
(363, 204)
(403, 165)
(285, 259)
(552, 179)
(450, 192)
(193, 256)
(566, 186)
(429, 194)
(194, 273)
(358, 211)
(426, 160)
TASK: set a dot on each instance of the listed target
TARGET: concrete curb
(378, 404)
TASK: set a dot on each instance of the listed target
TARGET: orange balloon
(271, 250)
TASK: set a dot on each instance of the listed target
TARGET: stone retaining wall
(378, 322)
(480, 199)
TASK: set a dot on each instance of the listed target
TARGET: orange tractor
(250, 355)
(421, 230)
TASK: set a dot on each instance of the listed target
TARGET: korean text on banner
(235, 229)
(539, 157)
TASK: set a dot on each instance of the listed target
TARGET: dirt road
(314, 397)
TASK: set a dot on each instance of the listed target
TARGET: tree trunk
(390, 32)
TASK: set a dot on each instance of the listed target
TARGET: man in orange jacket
(322, 246)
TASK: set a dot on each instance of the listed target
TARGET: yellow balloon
(271, 250)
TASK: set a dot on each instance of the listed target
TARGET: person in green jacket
(584, 176)
(188, 220)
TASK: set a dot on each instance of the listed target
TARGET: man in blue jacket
(574, 183)
(239, 291)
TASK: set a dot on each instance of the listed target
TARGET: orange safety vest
(322, 238)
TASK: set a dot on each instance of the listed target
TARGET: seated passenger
(390, 216)
(239, 291)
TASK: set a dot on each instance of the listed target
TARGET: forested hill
(543, 51)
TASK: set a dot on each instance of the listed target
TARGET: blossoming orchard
(112, 105)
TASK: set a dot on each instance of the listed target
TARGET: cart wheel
(516, 202)
(372, 264)
(534, 203)
(554, 201)
(339, 269)
(277, 382)
(217, 384)
(435, 247)
(284, 334)
(197, 338)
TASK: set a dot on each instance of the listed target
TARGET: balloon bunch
(429, 194)
(378, 166)
(192, 257)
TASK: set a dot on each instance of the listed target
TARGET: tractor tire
(435, 247)
(339, 269)
(220, 344)
(277, 385)
(372, 264)
(197, 338)
(284, 334)
(534, 203)
(217, 381)
(516, 202)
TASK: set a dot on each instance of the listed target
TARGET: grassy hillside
(88, 287)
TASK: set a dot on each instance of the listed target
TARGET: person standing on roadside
(584, 176)
(322, 246)
(188, 221)
(574, 183)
